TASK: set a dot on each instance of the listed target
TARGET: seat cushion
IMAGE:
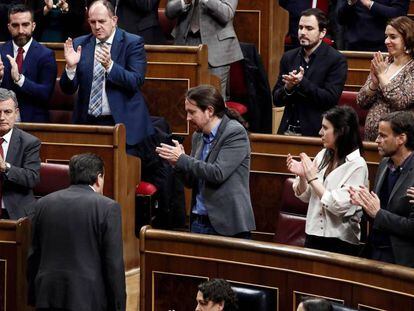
(240, 108)
(145, 188)
(290, 229)
(53, 177)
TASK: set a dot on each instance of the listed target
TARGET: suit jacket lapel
(403, 177)
(199, 147)
(380, 179)
(13, 146)
(88, 57)
(116, 45)
(220, 131)
(29, 56)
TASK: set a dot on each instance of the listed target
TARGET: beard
(307, 45)
(21, 40)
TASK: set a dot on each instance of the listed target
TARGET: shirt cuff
(70, 73)
(370, 5)
(20, 82)
(110, 68)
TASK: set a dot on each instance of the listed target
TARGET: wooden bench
(14, 246)
(173, 264)
(122, 172)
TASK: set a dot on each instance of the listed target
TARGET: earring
(407, 51)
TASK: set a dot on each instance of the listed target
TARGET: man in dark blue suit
(107, 68)
(27, 67)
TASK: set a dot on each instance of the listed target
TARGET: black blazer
(140, 17)
(23, 156)
(397, 219)
(75, 261)
(319, 90)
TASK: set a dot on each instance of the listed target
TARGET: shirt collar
(314, 53)
(25, 47)
(109, 40)
(210, 137)
(353, 155)
(393, 168)
(7, 136)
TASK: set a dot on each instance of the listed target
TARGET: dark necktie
(195, 18)
(1, 177)
(19, 59)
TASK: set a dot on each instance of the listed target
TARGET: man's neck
(308, 52)
(399, 157)
(214, 121)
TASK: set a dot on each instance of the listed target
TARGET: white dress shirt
(333, 215)
(26, 47)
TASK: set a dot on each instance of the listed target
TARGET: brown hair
(405, 26)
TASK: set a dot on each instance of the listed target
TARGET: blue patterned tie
(95, 101)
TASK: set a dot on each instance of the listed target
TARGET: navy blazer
(39, 70)
(24, 158)
(319, 90)
(122, 84)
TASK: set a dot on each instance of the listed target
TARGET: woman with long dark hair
(332, 222)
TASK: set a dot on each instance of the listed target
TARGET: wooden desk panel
(122, 172)
(14, 246)
(290, 271)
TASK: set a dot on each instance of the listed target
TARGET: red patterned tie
(19, 59)
(1, 177)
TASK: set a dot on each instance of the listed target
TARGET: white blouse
(333, 215)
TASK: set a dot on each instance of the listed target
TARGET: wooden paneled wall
(173, 264)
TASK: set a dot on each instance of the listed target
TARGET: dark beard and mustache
(21, 40)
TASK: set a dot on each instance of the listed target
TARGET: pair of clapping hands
(169, 152)
(14, 68)
(72, 57)
(369, 200)
(293, 78)
(61, 4)
(304, 168)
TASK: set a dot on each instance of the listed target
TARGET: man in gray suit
(208, 22)
(388, 206)
(217, 169)
(19, 162)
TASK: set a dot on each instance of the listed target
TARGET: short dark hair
(402, 122)
(320, 16)
(6, 94)
(219, 290)
(106, 4)
(84, 168)
(405, 27)
(316, 304)
(20, 8)
(205, 95)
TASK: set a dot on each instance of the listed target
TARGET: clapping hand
(379, 64)
(103, 56)
(295, 167)
(293, 78)
(72, 57)
(14, 68)
(368, 200)
(170, 153)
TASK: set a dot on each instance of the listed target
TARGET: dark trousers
(331, 245)
(201, 224)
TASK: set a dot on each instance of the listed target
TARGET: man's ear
(323, 33)
(221, 305)
(402, 139)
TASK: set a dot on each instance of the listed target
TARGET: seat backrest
(291, 221)
(289, 202)
(254, 298)
(349, 98)
(53, 177)
(61, 106)
(290, 229)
